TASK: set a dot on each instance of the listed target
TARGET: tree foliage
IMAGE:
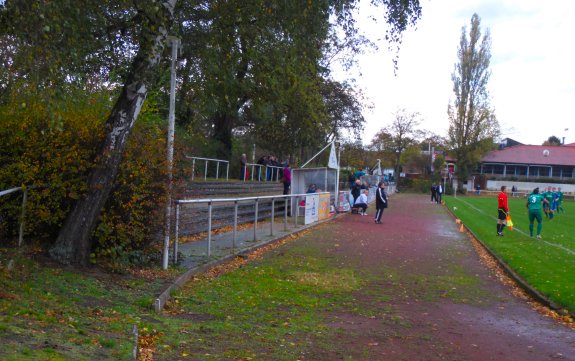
(472, 122)
(255, 67)
(552, 140)
(400, 135)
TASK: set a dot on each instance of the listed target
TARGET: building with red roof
(531, 161)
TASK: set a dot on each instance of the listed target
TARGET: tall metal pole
(336, 203)
(171, 128)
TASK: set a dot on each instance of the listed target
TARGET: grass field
(547, 264)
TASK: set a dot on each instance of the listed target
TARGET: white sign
(311, 208)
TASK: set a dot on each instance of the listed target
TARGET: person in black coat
(433, 193)
(356, 190)
(381, 201)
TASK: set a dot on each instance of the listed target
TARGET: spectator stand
(325, 179)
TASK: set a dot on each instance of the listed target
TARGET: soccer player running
(502, 210)
(534, 206)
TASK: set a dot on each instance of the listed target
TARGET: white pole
(336, 203)
(318, 153)
(171, 127)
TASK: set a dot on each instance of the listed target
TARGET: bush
(53, 148)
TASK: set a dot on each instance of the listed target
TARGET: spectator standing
(261, 164)
(380, 201)
(273, 173)
(433, 193)
(439, 193)
(351, 180)
(286, 178)
(502, 210)
(356, 190)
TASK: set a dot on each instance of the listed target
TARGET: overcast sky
(532, 63)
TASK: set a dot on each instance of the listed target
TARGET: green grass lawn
(547, 264)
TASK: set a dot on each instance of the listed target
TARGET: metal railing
(207, 160)
(235, 202)
(261, 172)
(23, 213)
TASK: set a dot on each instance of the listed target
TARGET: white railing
(261, 172)
(235, 202)
(23, 213)
(207, 160)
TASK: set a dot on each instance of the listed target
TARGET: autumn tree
(240, 56)
(552, 140)
(397, 137)
(74, 242)
(472, 122)
(263, 68)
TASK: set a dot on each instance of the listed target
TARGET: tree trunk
(74, 242)
(223, 125)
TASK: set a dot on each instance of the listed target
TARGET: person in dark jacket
(380, 201)
(356, 190)
(286, 177)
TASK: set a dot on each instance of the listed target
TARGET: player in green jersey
(548, 195)
(534, 206)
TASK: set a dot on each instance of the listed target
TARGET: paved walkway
(429, 295)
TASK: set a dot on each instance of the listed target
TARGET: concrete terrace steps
(230, 189)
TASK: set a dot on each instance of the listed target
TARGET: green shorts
(535, 215)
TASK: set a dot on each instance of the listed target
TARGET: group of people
(273, 168)
(554, 197)
(549, 202)
(436, 193)
(359, 192)
(271, 164)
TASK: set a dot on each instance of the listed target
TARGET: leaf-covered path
(442, 302)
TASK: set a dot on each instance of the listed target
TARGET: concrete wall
(527, 187)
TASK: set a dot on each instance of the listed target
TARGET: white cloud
(533, 56)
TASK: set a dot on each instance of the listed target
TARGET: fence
(234, 204)
(261, 172)
(207, 160)
(23, 213)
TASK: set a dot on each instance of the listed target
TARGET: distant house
(531, 161)
(508, 142)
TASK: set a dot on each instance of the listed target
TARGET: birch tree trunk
(74, 241)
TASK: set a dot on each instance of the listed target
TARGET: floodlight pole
(171, 130)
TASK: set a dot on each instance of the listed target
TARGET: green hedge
(52, 145)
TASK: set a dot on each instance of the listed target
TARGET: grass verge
(547, 265)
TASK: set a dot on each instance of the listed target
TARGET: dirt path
(435, 299)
